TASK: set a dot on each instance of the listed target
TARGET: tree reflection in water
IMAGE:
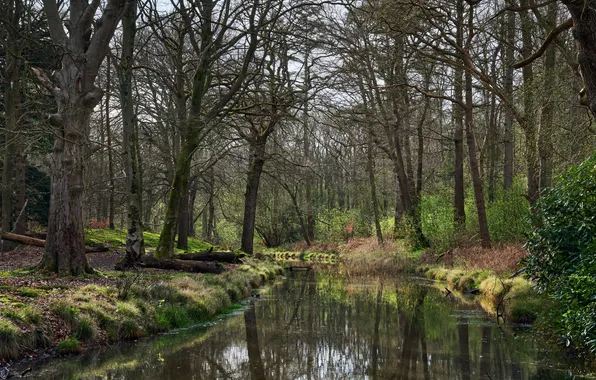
(328, 328)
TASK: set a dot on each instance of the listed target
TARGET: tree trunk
(373, 188)
(459, 209)
(28, 240)
(471, 142)
(191, 210)
(135, 243)
(76, 97)
(257, 160)
(65, 249)
(209, 255)
(11, 107)
(184, 221)
(179, 265)
(508, 140)
(301, 222)
(112, 185)
(584, 33)
(20, 213)
(529, 124)
(310, 218)
(545, 140)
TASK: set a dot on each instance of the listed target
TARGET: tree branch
(552, 35)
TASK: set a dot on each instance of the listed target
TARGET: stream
(318, 326)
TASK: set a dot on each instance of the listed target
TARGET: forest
(452, 137)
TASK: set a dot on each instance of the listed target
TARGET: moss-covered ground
(40, 312)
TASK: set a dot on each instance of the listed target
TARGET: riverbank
(42, 314)
(357, 257)
(490, 274)
(464, 271)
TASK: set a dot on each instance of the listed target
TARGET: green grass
(70, 345)
(117, 238)
(93, 313)
(9, 339)
(65, 310)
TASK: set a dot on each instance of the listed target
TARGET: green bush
(507, 217)
(562, 248)
(334, 225)
(508, 214)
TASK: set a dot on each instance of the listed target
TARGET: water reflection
(326, 328)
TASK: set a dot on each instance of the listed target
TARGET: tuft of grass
(129, 329)
(525, 309)
(128, 309)
(41, 339)
(9, 339)
(85, 330)
(65, 310)
(174, 316)
(70, 345)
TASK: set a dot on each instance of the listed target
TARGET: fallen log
(147, 261)
(28, 240)
(210, 255)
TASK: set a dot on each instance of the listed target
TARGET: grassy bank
(42, 313)
(356, 257)
(512, 299)
(116, 238)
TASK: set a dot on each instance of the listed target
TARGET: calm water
(316, 326)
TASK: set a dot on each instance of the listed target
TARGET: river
(318, 326)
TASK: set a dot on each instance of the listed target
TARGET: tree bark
(529, 124)
(257, 161)
(76, 97)
(12, 78)
(545, 140)
(583, 14)
(20, 209)
(209, 255)
(508, 140)
(147, 261)
(112, 185)
(184, 221)
(310, 218)
(471, 142)
(458, 136)
(28, 240)
(135, 243)
(370, 165)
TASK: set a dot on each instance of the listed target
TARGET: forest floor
(42, 314)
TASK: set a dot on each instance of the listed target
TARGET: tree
(215, 39)
(84, 48)
(135, 244)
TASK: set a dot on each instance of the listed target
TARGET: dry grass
(364, 257)
(499, 259)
